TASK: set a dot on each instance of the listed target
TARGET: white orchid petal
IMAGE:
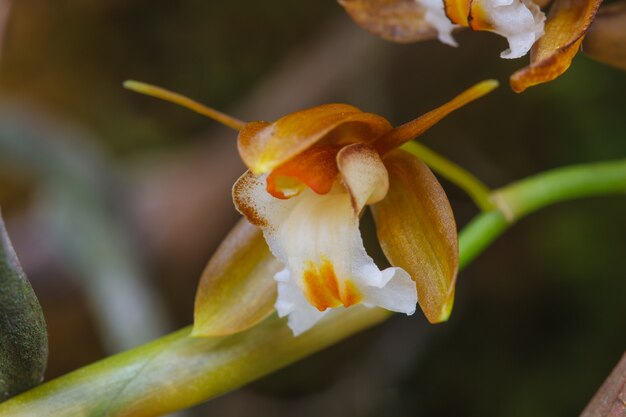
(436, 16)
(521, 22)
(282, 275)
(291, 302)
(397, 295)
(318, 240)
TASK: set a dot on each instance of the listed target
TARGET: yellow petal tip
(487, 86)
(136, 86)
(261, 168)
(446, 310)
(179, 99)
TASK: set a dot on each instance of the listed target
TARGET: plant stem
(178, 371)
(478, 234)
(523, 197)
(526, 196)
(478, 191)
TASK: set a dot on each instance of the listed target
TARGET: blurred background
(116, 201)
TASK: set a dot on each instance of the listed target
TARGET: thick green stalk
(530, 194)
(178, 371)
(478, 234)
(526, 196)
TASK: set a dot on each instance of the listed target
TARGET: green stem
(478, 234)
(178, 371)
(526, 196)
(477, 190)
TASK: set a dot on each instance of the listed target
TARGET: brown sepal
(264, 146)
(395, 20)
(417, 232)
(237, 289)
(552, 54)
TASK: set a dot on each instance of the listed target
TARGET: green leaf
(23, 337)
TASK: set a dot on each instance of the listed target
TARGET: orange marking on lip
(478, 17)
(350, 295)
(457, 11)
(323, 290)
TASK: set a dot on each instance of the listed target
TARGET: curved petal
(363, 174)
(264, 146)
(236, 290)
(521, 22)
(416, 127)
(317, 238)
(398, 293)
(417, 232)
(395, 20)
(606, 39)
(551, 56)
(291, 303)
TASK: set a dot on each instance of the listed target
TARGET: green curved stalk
(478, 234)
(526, 196)
(475, 188)
(178, 371)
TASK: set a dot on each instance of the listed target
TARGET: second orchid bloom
(552, 40)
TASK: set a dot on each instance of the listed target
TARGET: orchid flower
(553, 41)
(310, 176)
